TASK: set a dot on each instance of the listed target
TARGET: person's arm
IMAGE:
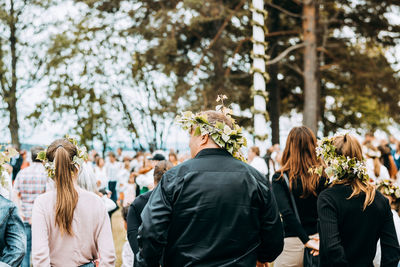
(134, 222)
(152, 236)
(15, 240)
(390, 249)
(40, 236)
(280, 190)
(105, 243)
(271, 232)
(330, 242)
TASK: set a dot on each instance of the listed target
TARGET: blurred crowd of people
(126, 181)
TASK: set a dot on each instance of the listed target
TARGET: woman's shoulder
(46, 199)
(88, 196)
(333, 191)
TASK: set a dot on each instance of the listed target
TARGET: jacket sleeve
(389, 243)
(133, 228)
(285, 208)
(271, 232)
(152, 236)
(330, 242)
(15, 240)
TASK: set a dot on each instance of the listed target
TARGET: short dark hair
(124, 212)
(162, 167)
(111, 155)
(34, 152)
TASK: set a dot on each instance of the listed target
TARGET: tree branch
(284, 54)
(228, 70)
(287, 12)
(273, 34)
(214, 40)
(295, 68)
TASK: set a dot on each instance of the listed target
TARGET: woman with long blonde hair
(296, 191)
(352, 214)
(70, 226)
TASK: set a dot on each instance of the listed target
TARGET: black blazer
(210, 211)
(349, 234)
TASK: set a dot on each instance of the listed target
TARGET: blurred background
(115, 73)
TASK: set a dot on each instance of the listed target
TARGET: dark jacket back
(212, 210)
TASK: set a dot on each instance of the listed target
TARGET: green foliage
(5, 157)
(359, 87)
(231, 139)
(78, 160)
(388, 188)
(339, 167)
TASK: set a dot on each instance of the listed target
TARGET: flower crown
(79, 158)
(388, 188)
(231, 139)
(339, 167)
(5, 157)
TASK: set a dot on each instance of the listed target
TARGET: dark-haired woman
(70, 226)
(353, 215)
(298, 157)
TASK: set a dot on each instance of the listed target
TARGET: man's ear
(204, 139)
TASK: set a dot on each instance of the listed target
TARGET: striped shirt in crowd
(29, 184)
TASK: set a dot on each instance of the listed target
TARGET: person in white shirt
(145, 181)
(256, 161)
(100, 174)
(120, 156)
(375, 168)
(113, 168)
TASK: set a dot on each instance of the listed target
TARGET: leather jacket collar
(212, 152)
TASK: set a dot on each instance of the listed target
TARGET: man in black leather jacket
(212, 210)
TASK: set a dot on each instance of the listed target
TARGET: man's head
(200, 142)
(156, 159)
(34, 152)
(119, 151)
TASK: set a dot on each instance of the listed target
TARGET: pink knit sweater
(92, 237)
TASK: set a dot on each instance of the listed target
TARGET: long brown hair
(62, 152)
(376, 160)
(348, 146)
(298, 157)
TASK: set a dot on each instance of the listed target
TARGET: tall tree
(352, 38)
(310, 112)
(16, 19)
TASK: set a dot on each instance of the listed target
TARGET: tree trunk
(274, 93)
(11, 96)
(310, 112)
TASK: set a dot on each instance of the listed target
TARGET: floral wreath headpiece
(339, 167)
(5, 157)
(231, 139)
(78, 160)
(387, 187)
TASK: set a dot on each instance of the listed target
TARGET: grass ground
(119, 234)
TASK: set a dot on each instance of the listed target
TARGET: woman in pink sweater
(70, 226)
